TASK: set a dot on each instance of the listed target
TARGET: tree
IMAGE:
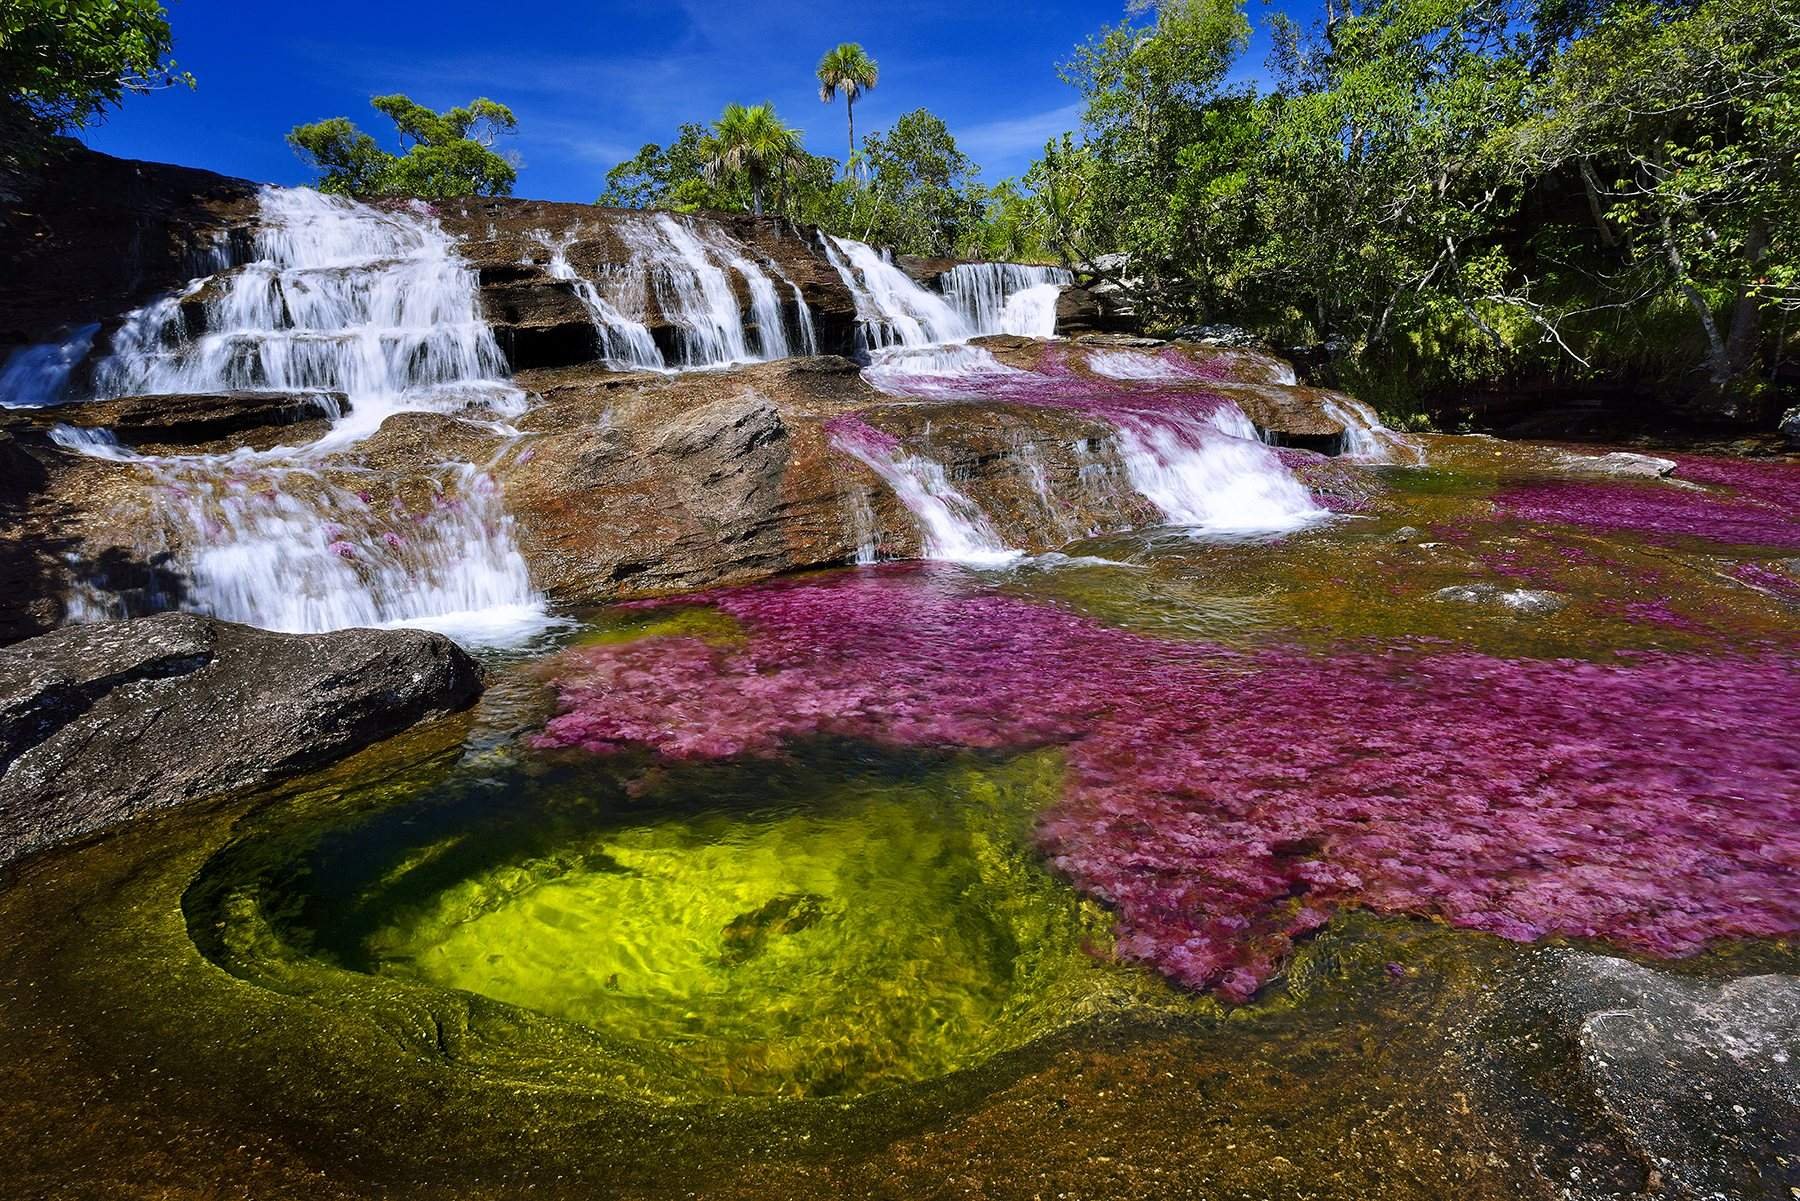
(753, 144)
(63, 63)
(446, 154)
(848, 69)
(1683, 122)
(923, 197)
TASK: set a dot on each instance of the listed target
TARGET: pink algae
(1224, 803)
(1741, 502)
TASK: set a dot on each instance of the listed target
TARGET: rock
(1218, 335)
(1406, 533)
(100, 235)
(1619, 464)
(1789, 426)
(1084, 310)
(1702, 1078)
(103, 723)
(1519, 600)
(190, 418)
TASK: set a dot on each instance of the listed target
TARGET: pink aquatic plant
(1225, 802)
(342, 549)
(1762, 506)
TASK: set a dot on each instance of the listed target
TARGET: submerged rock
(1620, 464)
(103, 723)
(1701, 1078)
(1520, 600)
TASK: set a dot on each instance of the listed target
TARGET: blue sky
(591, 82)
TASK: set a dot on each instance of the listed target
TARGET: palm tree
(847, 69)
(753, 141)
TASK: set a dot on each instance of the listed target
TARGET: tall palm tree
(847, 69)
(753, 141)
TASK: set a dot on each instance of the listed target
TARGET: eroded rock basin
(827, 926)
(1160, 868)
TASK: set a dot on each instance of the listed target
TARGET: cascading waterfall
(346, 298)
(1213, 474)
(1006, 298)
(1194, 456)
(625, 342)
(36, 377)
(687, 267)
(1369, 441)
(891, 309)
(953, 526)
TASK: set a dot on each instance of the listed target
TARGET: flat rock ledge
(100, 724)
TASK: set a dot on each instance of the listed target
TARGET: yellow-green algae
(763, 929)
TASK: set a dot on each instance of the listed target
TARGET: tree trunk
(850, 114)
(1745, 338)
(1591, 186)
(1718, 366)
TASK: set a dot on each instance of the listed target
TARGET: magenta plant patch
(1224, 802)
(1744, 503)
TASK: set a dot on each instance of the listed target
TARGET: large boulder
(103, 723)
(94, 236)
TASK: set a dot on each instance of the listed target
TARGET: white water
(687, 267)
(1212, 475)
(891, 309)
(1367, 440)
(373, 304)
(625, 342)
(936, 372)
(38, 376)
(1006, 298)
(1133, 365)
(953, 526)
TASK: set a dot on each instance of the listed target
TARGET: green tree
(1683, 123)
(1147, 87)
(63, 63)
(752, 143)
(922, 197)
(445, 154)
(849, 70)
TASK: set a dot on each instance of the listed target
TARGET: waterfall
(625, 343)
(1212, 474)
(1006, 298)
(1192, 454)
(1369, 441)
(688, 268)
(341, 297)
(953, 526)
(37, 376)
(344, 297)
(891, 310)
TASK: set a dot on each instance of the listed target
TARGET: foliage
(921, 195)
(849, 70)
(752, 145)
(63, 63)
(1454, 191)
(444, 155)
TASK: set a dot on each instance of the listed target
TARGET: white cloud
(1016, 137)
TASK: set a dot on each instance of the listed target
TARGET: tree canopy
(63, 63)
(444, 155)
(1453, 191)
(751, 144)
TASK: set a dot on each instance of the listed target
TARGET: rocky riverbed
(909, 741)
